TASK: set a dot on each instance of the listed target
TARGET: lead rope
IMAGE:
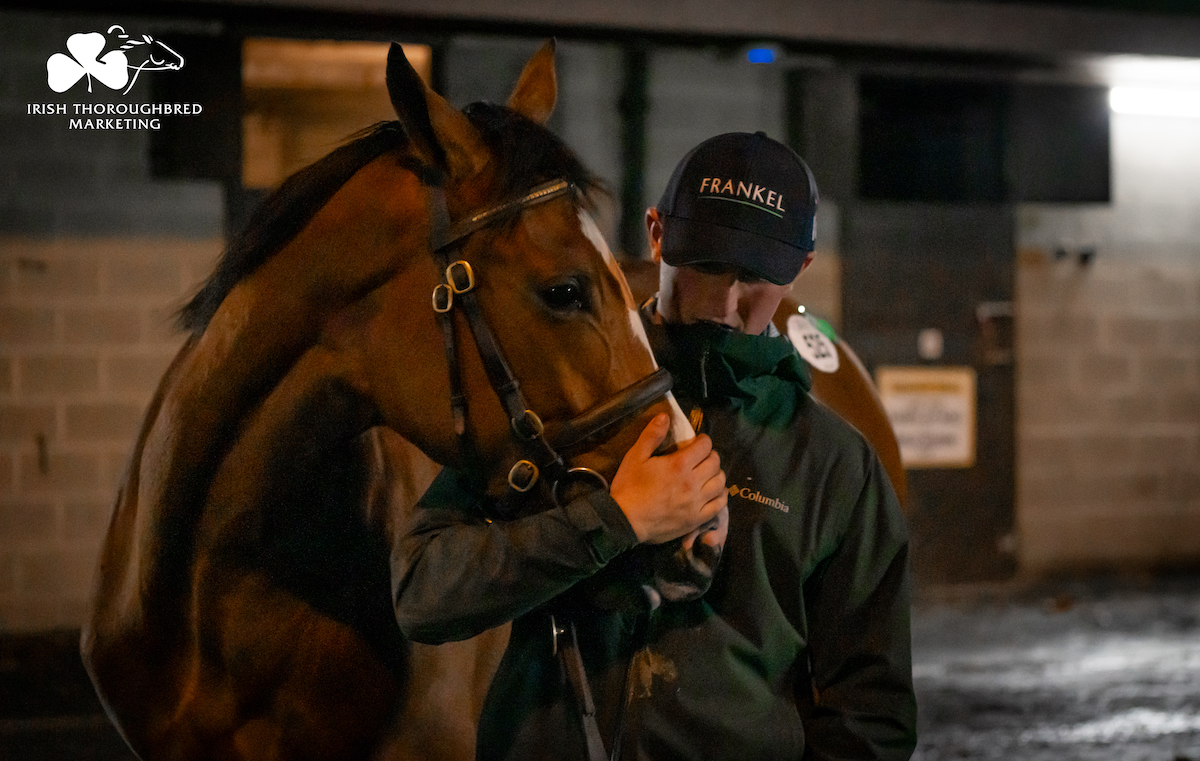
(567, 650)
(572, 663)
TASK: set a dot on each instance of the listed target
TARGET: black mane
(283, 214)
(530, 154)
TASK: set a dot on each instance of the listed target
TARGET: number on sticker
(814, 342)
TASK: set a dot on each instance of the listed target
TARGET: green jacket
(800, 648)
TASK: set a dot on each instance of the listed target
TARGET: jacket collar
(710, 362)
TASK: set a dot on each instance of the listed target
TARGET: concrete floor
(1097, 670)
(1104, 670)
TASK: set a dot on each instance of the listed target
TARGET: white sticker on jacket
(813, 345)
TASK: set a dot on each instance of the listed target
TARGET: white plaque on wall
(932, 411)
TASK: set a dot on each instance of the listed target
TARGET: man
(801, 646)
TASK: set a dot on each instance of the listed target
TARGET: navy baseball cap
(743, 200)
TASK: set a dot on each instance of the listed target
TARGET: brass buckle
(460, 276)
(522, 476)
(443, 298)
(529, 426)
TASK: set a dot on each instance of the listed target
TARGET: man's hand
(671, 495)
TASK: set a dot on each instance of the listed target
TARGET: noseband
(542, 460)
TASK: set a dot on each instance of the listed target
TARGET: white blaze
(681, 429)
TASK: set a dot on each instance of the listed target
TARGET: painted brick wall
(95, 255)
(1109, 364)
(85, 332)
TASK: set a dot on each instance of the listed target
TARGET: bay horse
(368, 327)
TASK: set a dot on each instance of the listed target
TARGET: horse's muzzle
(600, 422)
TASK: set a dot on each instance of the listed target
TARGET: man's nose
(716, 300)
(730, 300)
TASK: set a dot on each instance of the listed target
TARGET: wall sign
(932, 410)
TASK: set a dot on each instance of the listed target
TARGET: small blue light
(760, 55)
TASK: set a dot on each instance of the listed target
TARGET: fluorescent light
(1155, 101)
(1160, 71)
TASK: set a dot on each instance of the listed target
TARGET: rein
(457, 289)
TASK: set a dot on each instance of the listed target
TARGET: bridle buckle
(523, 476)
(528, 426)
(443, 298)
(460, 276)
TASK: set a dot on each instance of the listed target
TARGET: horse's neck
(363, 238)
(209, 451)
(262, 361)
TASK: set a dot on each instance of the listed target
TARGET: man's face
(712, 293)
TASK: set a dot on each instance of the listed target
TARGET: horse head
(143, 53)
(450, 284)
(539, 278)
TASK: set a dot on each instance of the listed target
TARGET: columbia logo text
(746, 492)
(756, 195)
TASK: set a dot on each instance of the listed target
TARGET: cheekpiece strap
(457, 288)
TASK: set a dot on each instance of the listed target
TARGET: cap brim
(692, 241)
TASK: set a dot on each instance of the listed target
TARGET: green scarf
(762, 376)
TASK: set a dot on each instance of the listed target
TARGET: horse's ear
(537, 89)
(438, 130)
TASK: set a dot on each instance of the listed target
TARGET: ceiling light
(1155, 101)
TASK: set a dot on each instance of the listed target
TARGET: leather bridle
(542, 459)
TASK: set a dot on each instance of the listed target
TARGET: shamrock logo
(113, 67)
(63, 71)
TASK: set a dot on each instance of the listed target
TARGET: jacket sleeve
(456, 573)
(860, 703)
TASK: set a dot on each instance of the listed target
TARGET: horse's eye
(567, 296)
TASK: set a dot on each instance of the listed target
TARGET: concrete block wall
(95, 255)
(1108, 381)
(86, 331)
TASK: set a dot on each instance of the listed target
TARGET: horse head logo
(110, 59)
